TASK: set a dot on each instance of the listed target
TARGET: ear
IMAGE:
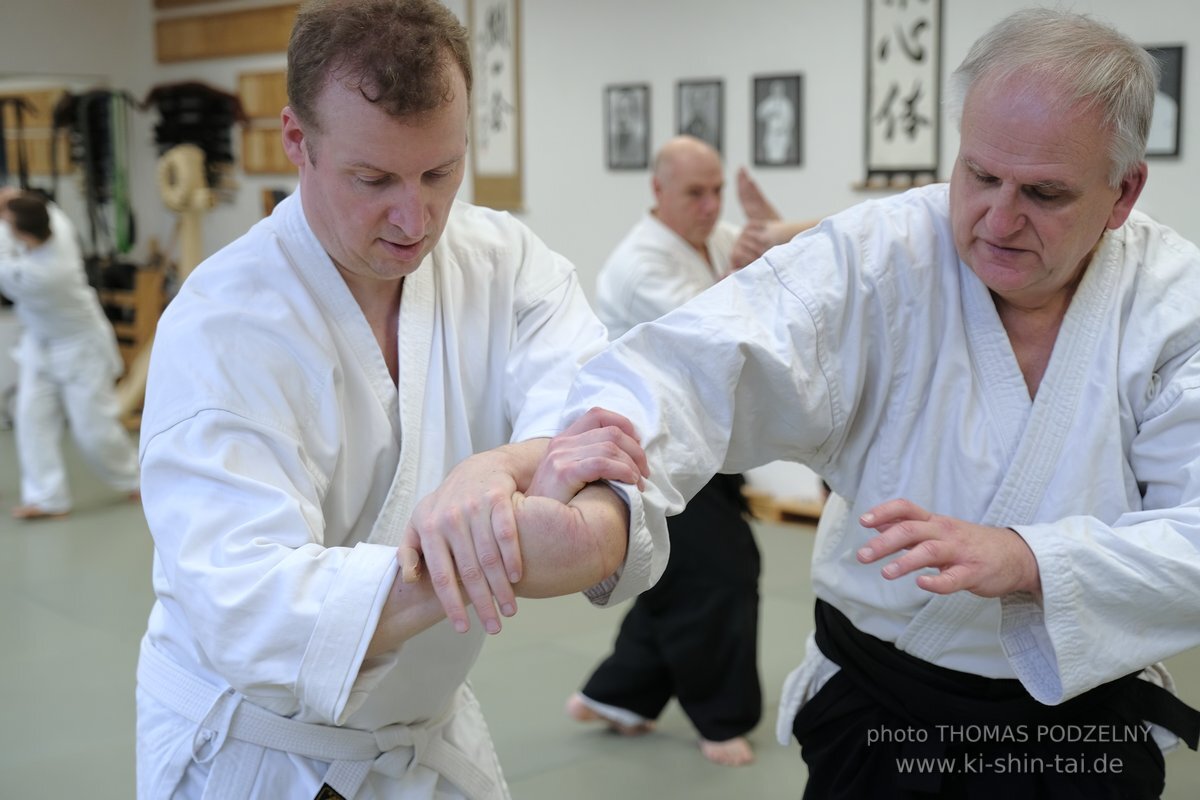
(1131, 188)
(293, 137)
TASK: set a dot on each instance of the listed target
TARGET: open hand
(987, 561)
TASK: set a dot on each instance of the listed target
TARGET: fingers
(891, 512)
(892, 538)
(966, 557)
(751, 243)
(949, 580)
(473, 551)
(751, 198)
(600, 445)
(443, 575)
(409, 555)
(410, 564)
(504, 529)
(597, 417)
(610, 426)
(480, 567)
(572, 462)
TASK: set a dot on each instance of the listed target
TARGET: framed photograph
(1166, 125)
(699, 110)
(777, 113)
(627, 125)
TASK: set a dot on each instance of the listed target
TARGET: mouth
(1000, 250)
(404, 252)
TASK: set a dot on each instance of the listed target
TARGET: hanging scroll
(903, 90)
(496, 103)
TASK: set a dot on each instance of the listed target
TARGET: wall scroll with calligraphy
(903, 111)
(496, 103)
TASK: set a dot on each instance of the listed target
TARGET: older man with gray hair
(1000, 381)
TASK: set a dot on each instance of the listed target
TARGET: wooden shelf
(37, 131)
(144, 302)
(769, 508)
(224, 34)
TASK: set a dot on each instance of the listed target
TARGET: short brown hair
(30, 215)
(397, 53)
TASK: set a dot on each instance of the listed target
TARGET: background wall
(571, 50)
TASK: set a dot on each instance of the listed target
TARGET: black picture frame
(627, 126)
(700, 110)
(776, 117)
(1166, 125)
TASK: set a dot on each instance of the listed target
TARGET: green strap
(122, 219)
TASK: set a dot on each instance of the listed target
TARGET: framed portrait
(903, 99)
(495, 27)
(699, 110)
(627, 125)
(1166, 124)
(777, 112)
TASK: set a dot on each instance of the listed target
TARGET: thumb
(409, 557)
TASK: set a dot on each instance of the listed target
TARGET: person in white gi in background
(309, 385)
(999, 378)
(694, 635)
(67, 359)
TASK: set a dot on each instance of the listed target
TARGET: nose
(1004, 216)
(406, 211)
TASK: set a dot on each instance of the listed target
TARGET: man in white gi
(1000, 380)
(694, 636)
(67, 359)
(309, 385)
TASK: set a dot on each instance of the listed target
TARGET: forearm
(562, 559)
(565, 549)
(782, 232)
(409, 609)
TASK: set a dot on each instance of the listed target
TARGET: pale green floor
(75, 593)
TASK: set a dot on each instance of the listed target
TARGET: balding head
(687, 184)
(684, 153)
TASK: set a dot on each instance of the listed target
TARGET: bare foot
(135, 496)
(735, 752)
(36, 512)
(578, 710)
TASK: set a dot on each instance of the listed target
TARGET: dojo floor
(74, 595)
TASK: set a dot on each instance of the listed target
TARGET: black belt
(928, 694)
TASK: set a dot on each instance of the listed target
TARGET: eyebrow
(1049, 185)
(369, 166)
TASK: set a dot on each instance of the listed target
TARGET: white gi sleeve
(233, 505)
(1127, 594)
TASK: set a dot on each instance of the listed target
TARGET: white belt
(228, 723)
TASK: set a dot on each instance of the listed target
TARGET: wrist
(520, 460)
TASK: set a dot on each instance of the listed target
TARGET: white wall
(572, 49)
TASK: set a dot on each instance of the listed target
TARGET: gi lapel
(414, 340)
(1039, 449)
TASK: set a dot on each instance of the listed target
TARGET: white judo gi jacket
(60, 314)
(68, 360)
(868, 351)
(281, 465)
(654, 270)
